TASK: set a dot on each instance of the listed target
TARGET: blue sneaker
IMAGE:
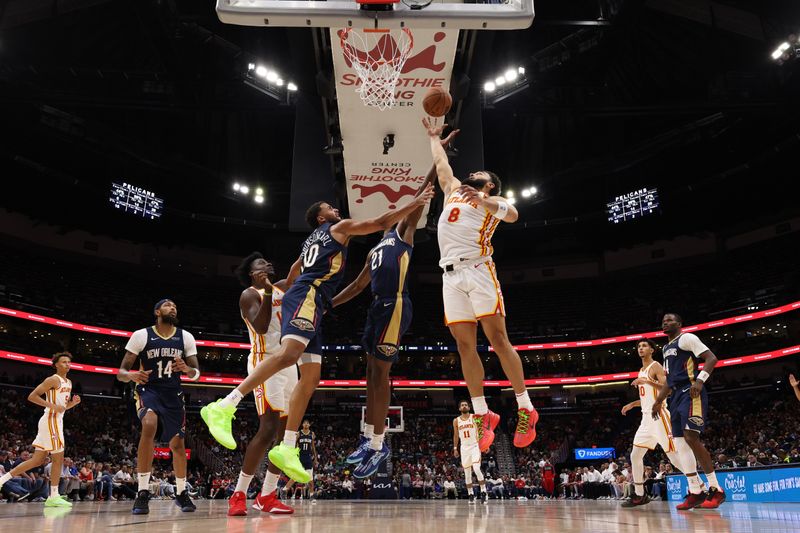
(357, 456)
(372, 462)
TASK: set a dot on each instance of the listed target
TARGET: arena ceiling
(676, 94)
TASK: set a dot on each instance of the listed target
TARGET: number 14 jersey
(156, 353)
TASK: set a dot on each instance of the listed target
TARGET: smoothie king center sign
(377, 182)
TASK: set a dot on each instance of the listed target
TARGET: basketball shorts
(687, 412)
(470, 455)
(167, 404)
(50, 434)
(273, 394)
(655, 432)
(387, 321)
(301, 311)
(471, 291)
(308, 463)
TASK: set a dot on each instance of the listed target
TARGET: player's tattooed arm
(36, 394)
(455, 437)
(355, 288)
(125, 374)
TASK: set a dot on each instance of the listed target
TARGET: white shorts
(273, 394)
(652, 432)
(50, 436)
(471, 291)
(470, 455)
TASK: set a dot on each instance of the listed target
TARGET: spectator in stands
(405, 486)
(498, 489)
(450, 489)
(86, 477)
(123, 483)
(347, 488)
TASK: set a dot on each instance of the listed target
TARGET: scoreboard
(633, 205)
(136, 201)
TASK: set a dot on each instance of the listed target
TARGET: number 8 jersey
(465, 231)
(156, 353)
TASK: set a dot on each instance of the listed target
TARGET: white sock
(290, 438)
(479, 405)
(377, 441)
(54, 491)
(5, 477)
(244, 482)
(637, 463)
(180, 485)
(270, 483)
(232, 399)
(369, 430)
(694, 484)
(524, 400)
(144, 480)
(483, 487)
(712, 480)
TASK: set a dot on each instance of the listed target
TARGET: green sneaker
(57, 501)
(288, 460)
(218, 419)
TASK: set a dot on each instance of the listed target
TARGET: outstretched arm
(447, 181)
(355, 288)
(343, 230)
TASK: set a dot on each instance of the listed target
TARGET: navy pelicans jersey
(156, 353)
(681, 361)
(323, 261)
(388, 263)
(304, 443)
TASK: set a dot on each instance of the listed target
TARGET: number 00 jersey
(323, 260)
(156, 354)
(465, 231)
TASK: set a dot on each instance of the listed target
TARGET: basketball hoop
(377, 56)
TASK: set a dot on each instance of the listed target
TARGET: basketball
(437, 102)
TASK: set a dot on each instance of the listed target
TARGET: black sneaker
(141, 505)
(471, 498)
(484, 498)
(183, 501)
(636, 501)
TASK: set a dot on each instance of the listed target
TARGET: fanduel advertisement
(592, 454)
(775, 484)
(378, 181)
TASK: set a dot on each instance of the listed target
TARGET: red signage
(166, 453)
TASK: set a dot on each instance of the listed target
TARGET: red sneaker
(271, 504)
(691, 501)
(526, 427)
(715, 498)
(237, 505)
(486, 424)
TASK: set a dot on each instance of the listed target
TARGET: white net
(378, 57)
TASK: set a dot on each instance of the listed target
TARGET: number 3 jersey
(323, 260)
(156, 353)
(465, 231)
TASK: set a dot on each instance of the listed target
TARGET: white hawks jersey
(271, 340)
(647, 392)
(467, 432)
(465, 230)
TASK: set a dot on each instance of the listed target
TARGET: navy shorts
(167, 404)
(302, 310)
(687, 412)
(387, 321)
(307, 461)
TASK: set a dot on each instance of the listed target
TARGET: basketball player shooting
(687, 408)
(651, 431)
(260, 309)
(50, 437)
(471, 292)
(465, 431)
(389, 316)
(166, 351)
(323, 258)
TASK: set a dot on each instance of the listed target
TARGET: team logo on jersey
(302, 324)
(389, 350)
(696, 420)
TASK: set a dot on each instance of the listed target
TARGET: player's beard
(475, 183)
(169, 319)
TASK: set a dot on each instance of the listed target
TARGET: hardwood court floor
(403, 517)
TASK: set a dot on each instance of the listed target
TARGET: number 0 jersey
(323, 260)
(156, 354)
(465, 230)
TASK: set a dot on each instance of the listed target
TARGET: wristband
(196, 374)
(703, 376)
(502, 210)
